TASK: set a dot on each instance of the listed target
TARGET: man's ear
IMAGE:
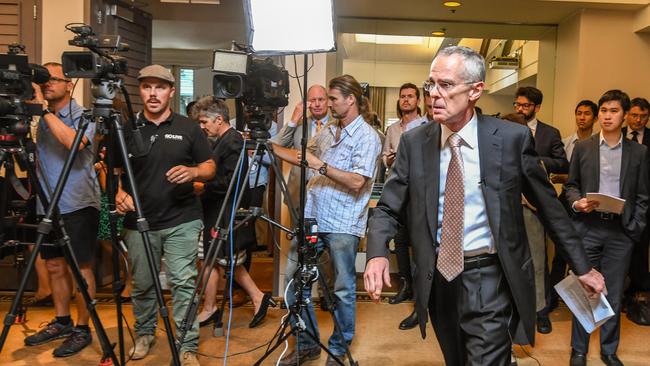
(476, 91)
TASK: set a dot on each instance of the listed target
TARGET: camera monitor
(290, 26)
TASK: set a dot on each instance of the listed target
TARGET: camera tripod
(222, 234)
(44, 228)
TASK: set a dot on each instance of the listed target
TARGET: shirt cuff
(292, 124)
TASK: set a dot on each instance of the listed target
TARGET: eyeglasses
(640, 117)
(443, 87)
(54, 79)
(523, 105)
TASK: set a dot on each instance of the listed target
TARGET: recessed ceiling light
(452, 4)
(438, 33)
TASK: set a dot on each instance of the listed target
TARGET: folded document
(591, 313)
(607, 203)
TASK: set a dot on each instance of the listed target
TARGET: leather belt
(479, 261)
(605, 216)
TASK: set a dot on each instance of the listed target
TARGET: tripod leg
(143, 228)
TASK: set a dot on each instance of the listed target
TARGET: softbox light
(277, 27)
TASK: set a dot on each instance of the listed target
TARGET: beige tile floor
(377, 341)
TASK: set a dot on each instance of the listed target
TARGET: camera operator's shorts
(82, 226)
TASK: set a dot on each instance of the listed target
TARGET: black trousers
(639, 273)
(609, 250)
(472, 317)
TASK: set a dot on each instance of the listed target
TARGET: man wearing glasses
(79, 208)
(457, 184)
(549, 147)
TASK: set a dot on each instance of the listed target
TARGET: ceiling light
(452, 4)
(388, 39)
(439, 33)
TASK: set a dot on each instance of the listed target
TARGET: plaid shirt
(337, 208)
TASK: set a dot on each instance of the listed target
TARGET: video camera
(261, 86)
(96, 63)
(16, 77)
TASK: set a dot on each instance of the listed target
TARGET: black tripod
(222, 234)
(44, 228)
(307, 271)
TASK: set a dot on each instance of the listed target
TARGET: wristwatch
(323, 169)
(46, 111)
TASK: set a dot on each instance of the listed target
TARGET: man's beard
(527, 117)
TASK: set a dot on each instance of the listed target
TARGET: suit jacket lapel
(431, 170)
(490, 151)
(595, 168)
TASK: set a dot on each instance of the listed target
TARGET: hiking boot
(142, 346)
(50, 332)
(76, 341)
(188, 358)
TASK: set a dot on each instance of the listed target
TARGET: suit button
(430, 275)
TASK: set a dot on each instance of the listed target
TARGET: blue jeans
(342, 250)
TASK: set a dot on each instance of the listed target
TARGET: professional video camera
(259, 84)
(96, 63)
(16, 77)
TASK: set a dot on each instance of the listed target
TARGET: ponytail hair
(348, 85)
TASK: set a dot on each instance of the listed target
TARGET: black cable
(234, 354)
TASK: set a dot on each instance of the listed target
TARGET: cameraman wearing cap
(79, 208)
(178, 154)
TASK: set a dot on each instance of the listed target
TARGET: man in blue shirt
(79, 208)
(343, 158)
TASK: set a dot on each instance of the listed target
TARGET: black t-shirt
(175, 141)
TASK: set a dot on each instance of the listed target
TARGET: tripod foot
(217, 332)
(21, 317)
(106, 362)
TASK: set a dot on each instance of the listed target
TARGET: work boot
(142, 346)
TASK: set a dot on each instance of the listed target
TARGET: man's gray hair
(474, 63)
(211, 107)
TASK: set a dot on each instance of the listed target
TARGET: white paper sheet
(591, 313)
(607, 203)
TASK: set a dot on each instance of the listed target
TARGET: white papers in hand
(591, 313)
(607, 203)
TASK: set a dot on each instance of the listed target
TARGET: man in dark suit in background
(459, 181)
(549, 147)
(636, 130)
(610, 164)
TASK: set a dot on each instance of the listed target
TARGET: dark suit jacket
(584, 177)
(549, 147)
(646, 135)
(509, 167)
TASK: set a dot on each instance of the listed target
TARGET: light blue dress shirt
(610, 167)
(477, 237)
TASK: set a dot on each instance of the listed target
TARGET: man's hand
(593, 282)
(38, 96)
(296, 116)
(312, 161)
(375, 276)
(181, 174)
(585, 205)
(123, 202)
(390, 157)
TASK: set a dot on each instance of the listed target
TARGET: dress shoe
(405, 292)
(544, 324)
(43, 301)
(267, 301)
(578, 359)
(298, 358)
(410, 321)
(611, 360)
(210, 318)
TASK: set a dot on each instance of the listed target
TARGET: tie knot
(455, 140)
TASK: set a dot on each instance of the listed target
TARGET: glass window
(186, 89)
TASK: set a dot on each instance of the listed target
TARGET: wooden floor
(377, 340)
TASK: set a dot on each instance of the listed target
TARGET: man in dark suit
(459, 181)
(636, 130)
(549, 147)
(610, 164)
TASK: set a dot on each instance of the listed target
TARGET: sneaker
(188, 358)
(76, 341)
(50, 332)
(142, 346)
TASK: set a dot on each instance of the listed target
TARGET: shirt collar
(65, 111)
(144, 119)
(469, 133)
(349, 129)
(532, 124)
(602, 141)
